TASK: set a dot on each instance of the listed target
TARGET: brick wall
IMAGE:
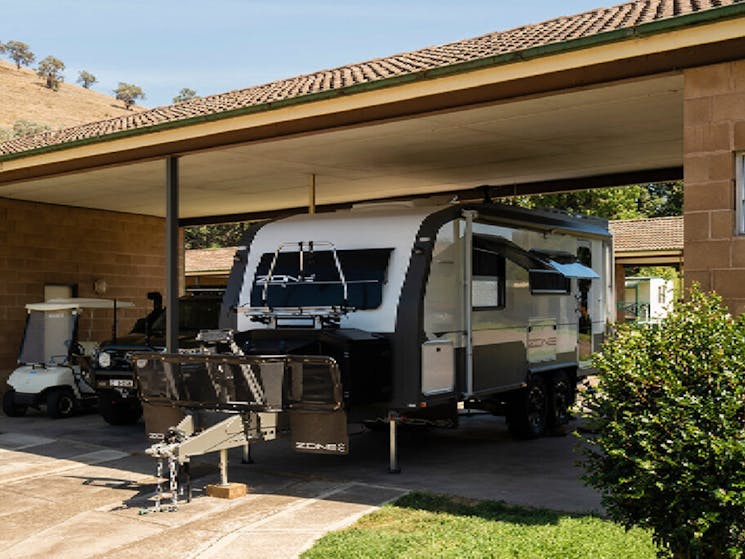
(45, 244)
(714, 129)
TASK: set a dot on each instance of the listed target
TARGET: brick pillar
(714, 130)
(620, 282)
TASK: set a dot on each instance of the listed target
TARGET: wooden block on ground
(229, 491)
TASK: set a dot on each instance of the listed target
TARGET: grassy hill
(24, 97)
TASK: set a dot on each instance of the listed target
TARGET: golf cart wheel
(60, 403)
(10, 408)
(527, 417)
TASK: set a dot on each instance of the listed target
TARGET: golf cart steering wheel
(75, 347)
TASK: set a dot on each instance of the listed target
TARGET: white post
(393, 467)
(223, 466)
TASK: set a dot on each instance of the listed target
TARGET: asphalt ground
(80, 488)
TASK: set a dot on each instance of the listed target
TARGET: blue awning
(574, 270)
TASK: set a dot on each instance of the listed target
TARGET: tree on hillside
(186, 94)
(20, 53)
(22, 128)
(2, 48)
(28, 128)
(50, 69)
(86, 79)
(128, 93)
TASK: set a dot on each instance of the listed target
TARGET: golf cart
(54, 363)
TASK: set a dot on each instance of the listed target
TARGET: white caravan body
(472, 299)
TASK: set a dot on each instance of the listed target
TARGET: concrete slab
(21, 469)
(88, 534)
(297, 524)
(19, 441)
(76, 488)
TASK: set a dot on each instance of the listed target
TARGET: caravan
(401, 312)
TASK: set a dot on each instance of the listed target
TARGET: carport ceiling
(622, 127)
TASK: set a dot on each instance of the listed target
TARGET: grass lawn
(429, 526)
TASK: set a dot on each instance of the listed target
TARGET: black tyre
(527, 416)
(561, 398)
(60, 403)
(120, 412)
(10, 408)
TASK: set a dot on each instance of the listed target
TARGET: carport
(649, 90)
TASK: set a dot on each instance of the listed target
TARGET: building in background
(647, 299)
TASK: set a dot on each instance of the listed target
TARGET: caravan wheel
(562, 396)
(527, 416)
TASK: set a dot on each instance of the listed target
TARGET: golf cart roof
(72, 303)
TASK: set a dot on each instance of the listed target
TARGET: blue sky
(220, 45)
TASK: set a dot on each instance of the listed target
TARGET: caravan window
(319, 283)
(488, 283)
(548, 282)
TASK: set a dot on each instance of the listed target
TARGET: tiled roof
(206, 260)
(559, 30)
(659, 233)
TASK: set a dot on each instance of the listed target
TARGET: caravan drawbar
(400, 311)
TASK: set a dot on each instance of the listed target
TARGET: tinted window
(48, 336)
(198, 313)
(318, 283)
(195, 313)
(548, 282)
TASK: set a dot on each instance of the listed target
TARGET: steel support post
(312, 194)
(247, 458)
(172, 253)
(468, 298)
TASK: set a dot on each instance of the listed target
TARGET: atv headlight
(104, 359)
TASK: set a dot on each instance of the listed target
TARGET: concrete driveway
(80, 488)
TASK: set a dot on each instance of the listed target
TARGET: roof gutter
(639, 31)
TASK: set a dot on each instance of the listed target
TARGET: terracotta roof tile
(205, 260)
(659, 233)
(557, 30)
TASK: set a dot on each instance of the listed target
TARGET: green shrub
(668, 451)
